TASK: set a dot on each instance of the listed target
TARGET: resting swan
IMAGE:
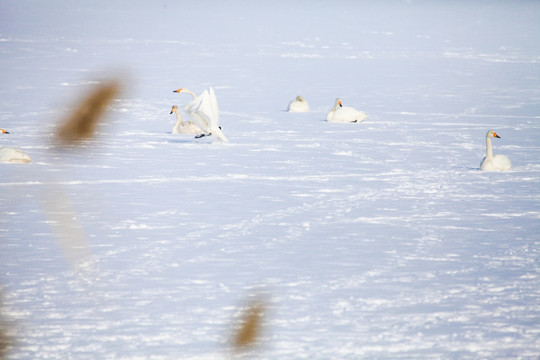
(184, 127)
(494, 162)
(340, 113)
(204, 112)
(298, 105)
(13, 155)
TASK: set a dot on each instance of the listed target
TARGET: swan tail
(219, 134)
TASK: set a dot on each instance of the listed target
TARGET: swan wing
(208, 110)
(502, 162)
(207, 107)
(298, 106)
(496, 163)
(204, 111)
(14, 155)
(214, 109)
(216, 129)
(348, 114)
(195, 111)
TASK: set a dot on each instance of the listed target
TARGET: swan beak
(177, 91)
(4, 131)
(340, 103)
(495, 135)
(170, 112)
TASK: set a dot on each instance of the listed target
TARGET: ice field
(374, 240)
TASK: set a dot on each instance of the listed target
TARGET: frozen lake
(376, 240)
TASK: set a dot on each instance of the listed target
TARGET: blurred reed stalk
(81, 123)
(5, 339)
(250, 327)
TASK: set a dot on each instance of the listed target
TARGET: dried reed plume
(81, 124)
(250, 327)
(5, 339)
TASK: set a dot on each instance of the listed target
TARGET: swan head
(299, 98)
(173, 109)
(491, 134)
(4, 131)
(338, 102)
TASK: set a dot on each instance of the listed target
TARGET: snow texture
(377, 240)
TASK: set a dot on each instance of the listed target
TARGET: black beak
(170, 113)
(497, 136)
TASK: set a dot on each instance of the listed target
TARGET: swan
(204, 111)
(340, 113)
(184, 127)
(13, 155)
(298, 105)
(491, 162)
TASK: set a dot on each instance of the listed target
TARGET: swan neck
(489, 148)
(178, 117)
(187, 91)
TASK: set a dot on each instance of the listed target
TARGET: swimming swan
(204, 112)
(340, 113)
(184, 127)
(497, 162)
(13, 155)
(298, 105)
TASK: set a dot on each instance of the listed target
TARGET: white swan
(340, 113)
(13, 155)
(204, 112)
(184, 127)
(491, 162)
(298, 105)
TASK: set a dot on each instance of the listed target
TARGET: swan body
(184, 127)
(298, 105)
(340, 113)
(205, 112)
(494, 162)
(13, 155)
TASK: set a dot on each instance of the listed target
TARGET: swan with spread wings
(205, 112)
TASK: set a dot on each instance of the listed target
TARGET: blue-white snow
(377, 240)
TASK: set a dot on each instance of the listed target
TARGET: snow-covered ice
(377, 240)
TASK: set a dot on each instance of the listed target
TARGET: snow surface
(375, 240)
